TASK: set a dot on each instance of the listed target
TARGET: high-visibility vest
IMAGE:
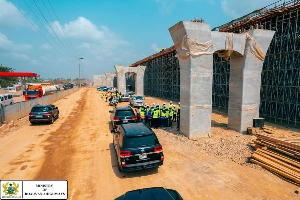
(167, 113)
(170, 105)
(163, 114)
(175, 110)
(156, 114)
(171, 113)
(142, 114)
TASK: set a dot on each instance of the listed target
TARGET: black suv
(43, 113)
(122, 115)
(155, 193)
(137, 147)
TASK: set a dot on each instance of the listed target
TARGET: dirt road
(78, 148)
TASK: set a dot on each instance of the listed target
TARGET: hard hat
(153, 104)
(164, 103)
(174, 106)
(170, 101)
(179, 103)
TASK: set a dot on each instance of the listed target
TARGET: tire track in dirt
(59, 151)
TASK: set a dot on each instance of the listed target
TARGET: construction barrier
(21, 109)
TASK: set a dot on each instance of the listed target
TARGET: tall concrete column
(109, 79)
(121, 79)
(139, 81)
(245, 82)
(196, 73)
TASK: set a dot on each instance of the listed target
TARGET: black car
(122, 115)
(43, 113)
(137, 147)
(155, 193)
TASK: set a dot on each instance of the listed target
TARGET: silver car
(125, 97)
(137, 101)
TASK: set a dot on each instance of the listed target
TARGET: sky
(48, 36)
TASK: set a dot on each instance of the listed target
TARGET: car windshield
(138, 98)
(123, 113)
(32, 92)
(39, 109)
(140, 141)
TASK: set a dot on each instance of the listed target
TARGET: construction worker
(156, 116)
(170, 105)
(178, 120)
(137, 111)
(142, 114)
(102, 96)
(106, 96)
(174, 113)
(119, 96)
(167, 117)
(158, 120)
(146, 112)
(170, 117)
(163, 117)
(150, 117)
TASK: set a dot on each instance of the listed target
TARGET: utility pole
(79, 71)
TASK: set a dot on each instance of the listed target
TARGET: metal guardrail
(277, 5)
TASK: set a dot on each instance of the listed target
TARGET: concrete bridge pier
(109, 79)
(139, 81)
(121, 79)
(196, 74)
(245, 81)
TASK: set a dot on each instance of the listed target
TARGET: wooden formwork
(279, 156)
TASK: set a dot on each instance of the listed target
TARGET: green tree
(6, 81)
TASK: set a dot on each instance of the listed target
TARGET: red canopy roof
(18, 74)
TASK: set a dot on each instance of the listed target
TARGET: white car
(6, 99)
(112, 89)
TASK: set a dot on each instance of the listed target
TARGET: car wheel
(119, 168)
(57, 116)
(52, 120)
(32, 123)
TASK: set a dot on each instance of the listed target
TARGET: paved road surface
(78, 147)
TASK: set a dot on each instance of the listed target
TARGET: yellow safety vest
(163, 114)
(156, 114)
(167, 114)
(142, 114)
(171, 105)
(171, 113)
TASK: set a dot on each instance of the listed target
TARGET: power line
(58, 21)
(37, 29)
(71, 50)
(32, 24)
(42, 25)
(51, 27)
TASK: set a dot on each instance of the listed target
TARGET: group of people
(111, 95)
(159, 116)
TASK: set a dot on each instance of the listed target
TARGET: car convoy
(135, 144)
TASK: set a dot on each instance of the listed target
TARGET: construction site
(235, 89)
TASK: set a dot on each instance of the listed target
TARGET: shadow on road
(122, 175)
